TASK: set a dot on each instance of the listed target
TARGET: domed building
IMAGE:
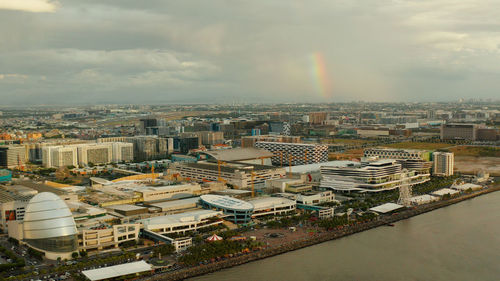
(49, 226)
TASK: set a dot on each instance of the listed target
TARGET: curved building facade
(49, 225)
(238, 211)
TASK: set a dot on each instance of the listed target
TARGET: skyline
(122, 52)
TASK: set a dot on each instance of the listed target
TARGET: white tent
(214, 238)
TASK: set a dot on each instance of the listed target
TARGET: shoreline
(310, 241)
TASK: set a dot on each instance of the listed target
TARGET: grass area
(418, 145)
(476, 151)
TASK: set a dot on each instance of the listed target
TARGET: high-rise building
(96, 153)
(146, 123)
(443, 163)
(12, 156)
(146, 147)
(297, 153)
(122, 151)
(185, 144)
(60, 156)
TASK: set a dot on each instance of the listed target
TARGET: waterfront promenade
(311, 240)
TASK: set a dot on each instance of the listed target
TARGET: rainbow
(320, 76)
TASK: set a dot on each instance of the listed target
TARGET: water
(459, 242)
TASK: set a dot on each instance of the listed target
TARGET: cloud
(163, 51)
(34, 6)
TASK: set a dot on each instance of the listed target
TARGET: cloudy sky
(161, 51)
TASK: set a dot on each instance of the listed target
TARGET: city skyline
(95, 52)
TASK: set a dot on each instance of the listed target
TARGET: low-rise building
(236, 210)
(266, 206)
(182, 222)
(239, 175)
(370, 177)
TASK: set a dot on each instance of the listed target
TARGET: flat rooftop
(117, 270)
(228, 167)
(240, 154)
(316, 166)
(180, 218)
(386, 208)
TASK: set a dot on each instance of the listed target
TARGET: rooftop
(180, 218)
(228, 167)
(117, 270)
(239, 154)
(316, 166)
(386, 208)
(268, 202)
(227, 202)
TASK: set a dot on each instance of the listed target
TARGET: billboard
(10, 215)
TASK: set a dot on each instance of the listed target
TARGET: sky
(225, 51)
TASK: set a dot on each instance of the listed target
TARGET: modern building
(394, 153)
(209, 138)
(122, 152)
(48, 226)
(59, 156)
(443, 163)
(12, 156)
(236, 210)
(297, 153)
(182, 222)
(410, 159)
(266, 206)
(186, 143)
(99, 237)
(146, 147)
(315, 198)
(250, 141)
(369, 177)
(459, 131)
(13, 202)
(239, 175)
(248, 155)
(95, 153)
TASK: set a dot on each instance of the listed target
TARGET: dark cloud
(218, 51)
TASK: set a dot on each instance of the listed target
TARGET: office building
(443, 163)
(458, 131)
(12, 156)
(186, 143)
(297, 153)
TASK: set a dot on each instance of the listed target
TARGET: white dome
(47, 216)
